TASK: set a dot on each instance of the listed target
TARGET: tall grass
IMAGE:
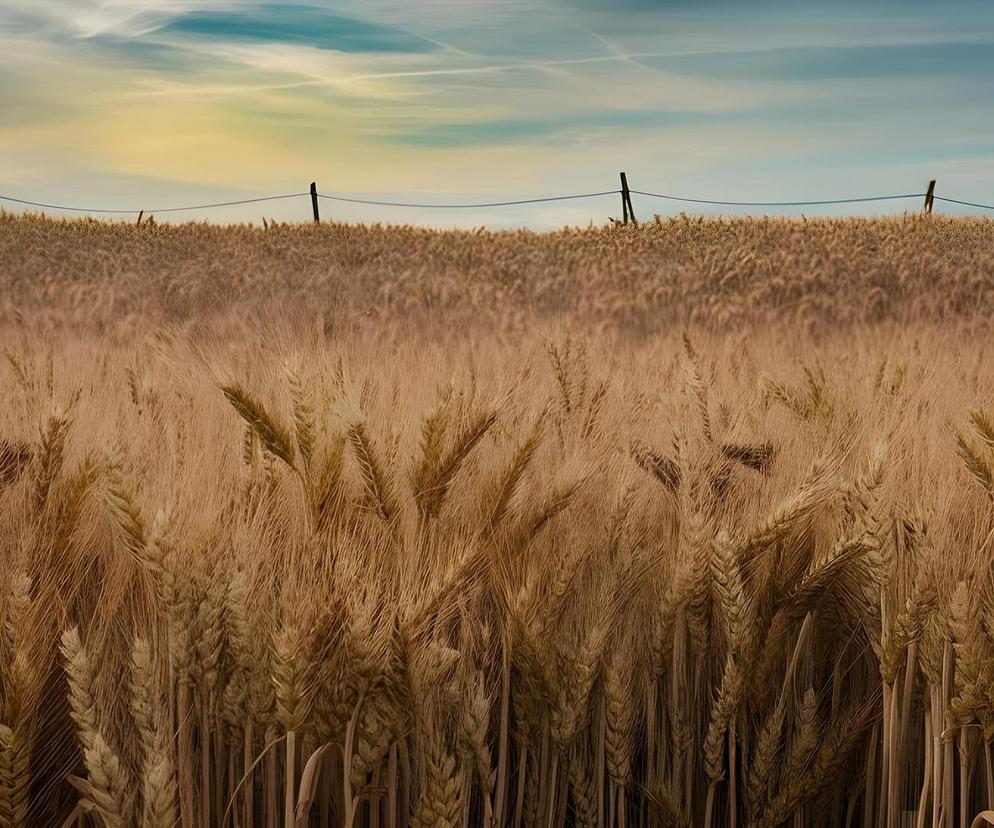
(265, 577)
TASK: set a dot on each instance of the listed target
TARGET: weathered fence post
(930, 197)
(626, 201)
(314, 202)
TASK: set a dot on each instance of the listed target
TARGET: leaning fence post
(930, 197)
(314, 202)
(626, 201)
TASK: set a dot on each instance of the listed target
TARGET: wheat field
(687, 524)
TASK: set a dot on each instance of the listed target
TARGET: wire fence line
(624, 192)
(325, 196)
(966, 203)
(150, 211)
(779, 203)
(468, 206)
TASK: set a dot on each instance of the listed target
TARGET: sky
(148, 104)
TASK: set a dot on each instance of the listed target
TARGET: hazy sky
(148, 103)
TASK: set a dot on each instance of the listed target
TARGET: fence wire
(150, 210)
(491, 204)
(779, 203)
(966, 203)
(468, 206)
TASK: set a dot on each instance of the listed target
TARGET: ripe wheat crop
(688, 524)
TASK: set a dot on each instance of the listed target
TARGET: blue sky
(147, 103)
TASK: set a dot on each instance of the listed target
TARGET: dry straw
(383, 579)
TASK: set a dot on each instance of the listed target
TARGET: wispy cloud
(299, 24)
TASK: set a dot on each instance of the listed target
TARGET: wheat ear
(440, 803)
(106, 787)
(379, 486)
(272, 433)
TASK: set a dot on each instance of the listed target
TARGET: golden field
(685, 524)
(636, 282)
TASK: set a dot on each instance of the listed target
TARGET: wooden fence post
(314, 202)
(930, 197)
(626, 201)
